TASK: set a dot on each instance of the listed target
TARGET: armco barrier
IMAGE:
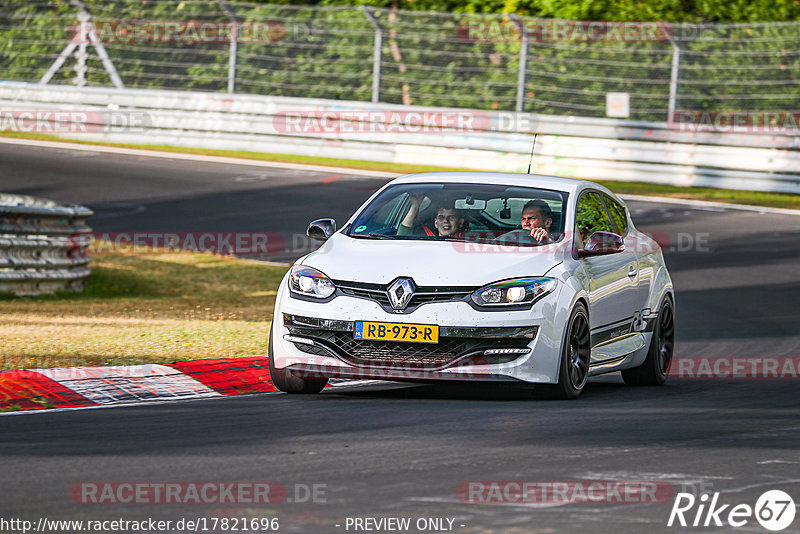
(581, 147)
(42, 245)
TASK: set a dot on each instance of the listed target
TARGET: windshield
(466, 212)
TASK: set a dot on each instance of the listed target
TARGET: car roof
(557, 183)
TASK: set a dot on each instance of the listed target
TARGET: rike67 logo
(774, 510)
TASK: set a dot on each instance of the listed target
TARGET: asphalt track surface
(399, 450)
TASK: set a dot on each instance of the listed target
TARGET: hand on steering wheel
(541, 235)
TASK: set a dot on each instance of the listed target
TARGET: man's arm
(408, 220)
(407, 224)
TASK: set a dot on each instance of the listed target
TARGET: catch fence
(489, 62)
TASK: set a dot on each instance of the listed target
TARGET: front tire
(654, 370)
(575, 357)
(287, 381)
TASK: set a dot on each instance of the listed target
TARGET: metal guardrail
(591, 148)
(42, 245)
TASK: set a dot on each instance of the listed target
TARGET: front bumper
(316, 339)
(457, 346)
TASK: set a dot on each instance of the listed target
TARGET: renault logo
(400, 292)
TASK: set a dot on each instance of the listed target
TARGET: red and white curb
(69, 388)
(77, 387)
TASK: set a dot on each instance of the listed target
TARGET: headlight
(310, 282)
(514, 292)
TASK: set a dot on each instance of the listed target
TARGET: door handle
(632, 271)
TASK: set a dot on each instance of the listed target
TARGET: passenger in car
(537, 217)
(448, 222)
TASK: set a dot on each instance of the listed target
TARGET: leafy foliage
(468, 58)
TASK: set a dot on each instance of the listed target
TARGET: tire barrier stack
(43, 245)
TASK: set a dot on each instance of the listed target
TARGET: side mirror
(321, 229)
(602, 243)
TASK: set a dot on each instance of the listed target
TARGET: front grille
(312, 349)
(422, 295)
(450, 296)
(363, 353)
(378, 296)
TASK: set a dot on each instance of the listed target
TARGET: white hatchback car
(477, 276)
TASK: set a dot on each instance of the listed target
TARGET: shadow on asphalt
(596, 388)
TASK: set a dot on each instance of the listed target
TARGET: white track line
(196, 157)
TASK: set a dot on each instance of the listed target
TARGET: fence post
(82, 55)
(523, 64)
(98, 46)
(234, 47)
(87, 31)
(674, 79)
(377, 53)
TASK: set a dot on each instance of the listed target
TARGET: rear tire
(288, 382)
(575, 357)
(655, 369)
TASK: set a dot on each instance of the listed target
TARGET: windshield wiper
(372, 236)
(381, 236)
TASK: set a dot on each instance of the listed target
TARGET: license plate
(410, 333)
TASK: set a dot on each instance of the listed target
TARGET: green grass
(732, 196)
(756, 198)
(144, 308)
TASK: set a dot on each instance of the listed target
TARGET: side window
(617, 213)
(591, 216)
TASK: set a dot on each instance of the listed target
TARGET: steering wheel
(518, 236)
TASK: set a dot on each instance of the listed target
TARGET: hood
(429, 263)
